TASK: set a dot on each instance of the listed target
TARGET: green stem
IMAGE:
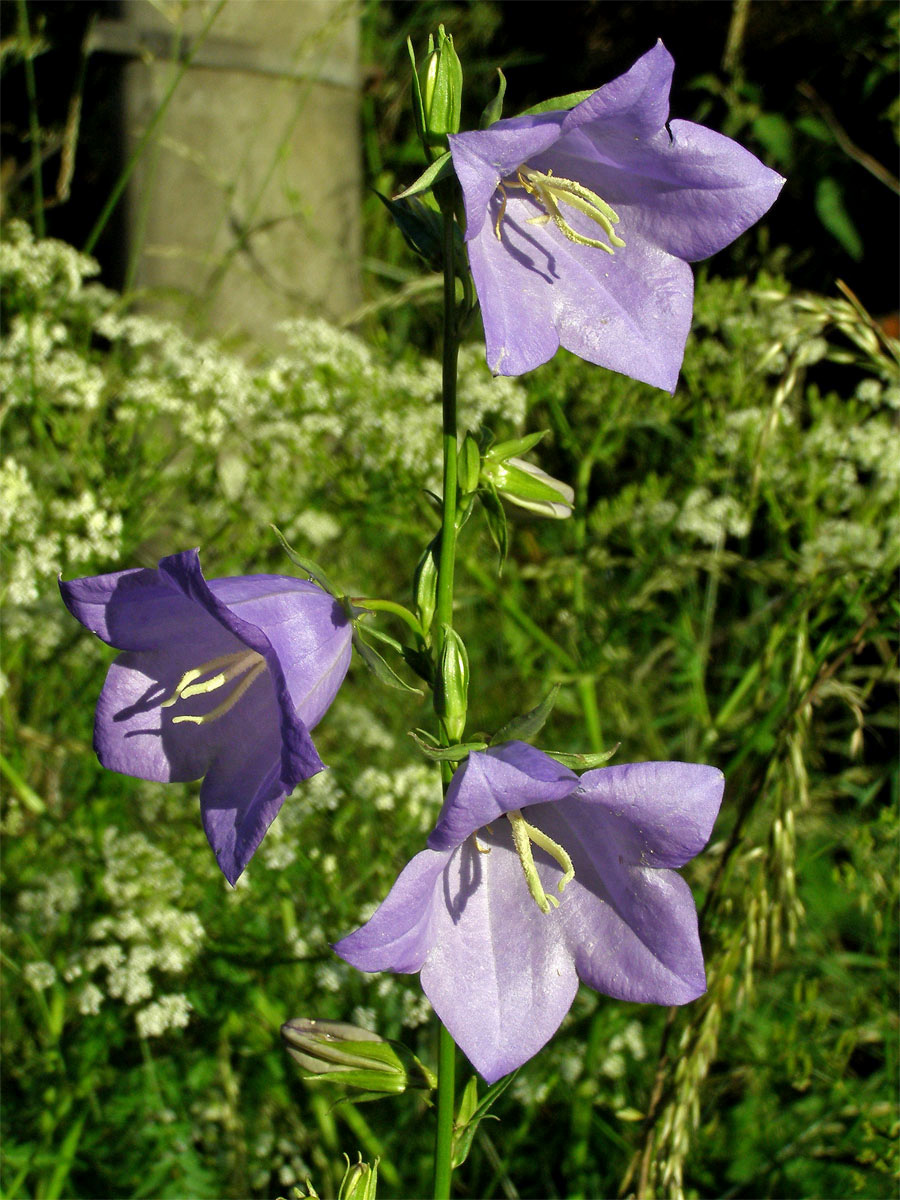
(443, 1143)
(446, 561)
(390, 606)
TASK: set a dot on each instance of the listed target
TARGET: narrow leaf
(495, 516)
(557, 103)
(516, 447)
(463, 1141)
(312, 569)
(524, 728)
(379, 667)
(441, 168)
(420, 226)
(446, 753)
(583, 762)
(832, 212)
(493, 110)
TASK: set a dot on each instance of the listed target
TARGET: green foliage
(722, 594)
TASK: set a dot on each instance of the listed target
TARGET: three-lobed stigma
(523, 835)
(244, 665)
(549, 191)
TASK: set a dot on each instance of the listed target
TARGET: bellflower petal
(501, 973)
(222, 679)
(672, 192)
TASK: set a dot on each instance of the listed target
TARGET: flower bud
(526, 485)
(452, 684)
(425, 585)
(359, 1182)
(437, 90)
(336, 1052)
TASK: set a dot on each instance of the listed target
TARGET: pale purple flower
(220, 679)
(500, 972)
(654, 194)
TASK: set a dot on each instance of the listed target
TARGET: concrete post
(244, 208)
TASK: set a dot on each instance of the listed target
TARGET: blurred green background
(725, 593)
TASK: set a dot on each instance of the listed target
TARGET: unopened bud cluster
(437, 90)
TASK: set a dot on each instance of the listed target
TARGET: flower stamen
(523, 835)
(549, 191)
(222, 670)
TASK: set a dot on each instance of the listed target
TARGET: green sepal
(445, 753)
(416, 89)
(379, 635)
(516, 447)
(335, 1052)
(464, 510)
(465, 1128)
(524, 728)
(495, 515)
(557, 103)
(513, 481)
(420, 226)
(312, 569)
(372, 1083)
(583, 762)
(377, 665)
(436, 172)
(493, 110)
(469, 465)
(425, 585)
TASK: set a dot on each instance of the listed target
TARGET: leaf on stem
(379, 668)
(524, 728)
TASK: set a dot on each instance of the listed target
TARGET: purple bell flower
(581, 225)
(535, 879)
(220, 679)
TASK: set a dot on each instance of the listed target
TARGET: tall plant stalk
(444, 619)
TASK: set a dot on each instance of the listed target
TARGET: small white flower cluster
(621, 1046)
(711, 518)
(47, 267)
(146, 932)
(333, 976)
(55, 896)
(315, 527)
(168, 1012)
(358, 722)
(39, 975)
(416, 1008)
(414, 791)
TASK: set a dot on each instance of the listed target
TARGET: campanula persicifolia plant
(573, 225)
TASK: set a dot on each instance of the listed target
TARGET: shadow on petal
(470, 877)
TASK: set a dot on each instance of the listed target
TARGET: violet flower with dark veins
(581, 225)
(220, 679)
(535, 879)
